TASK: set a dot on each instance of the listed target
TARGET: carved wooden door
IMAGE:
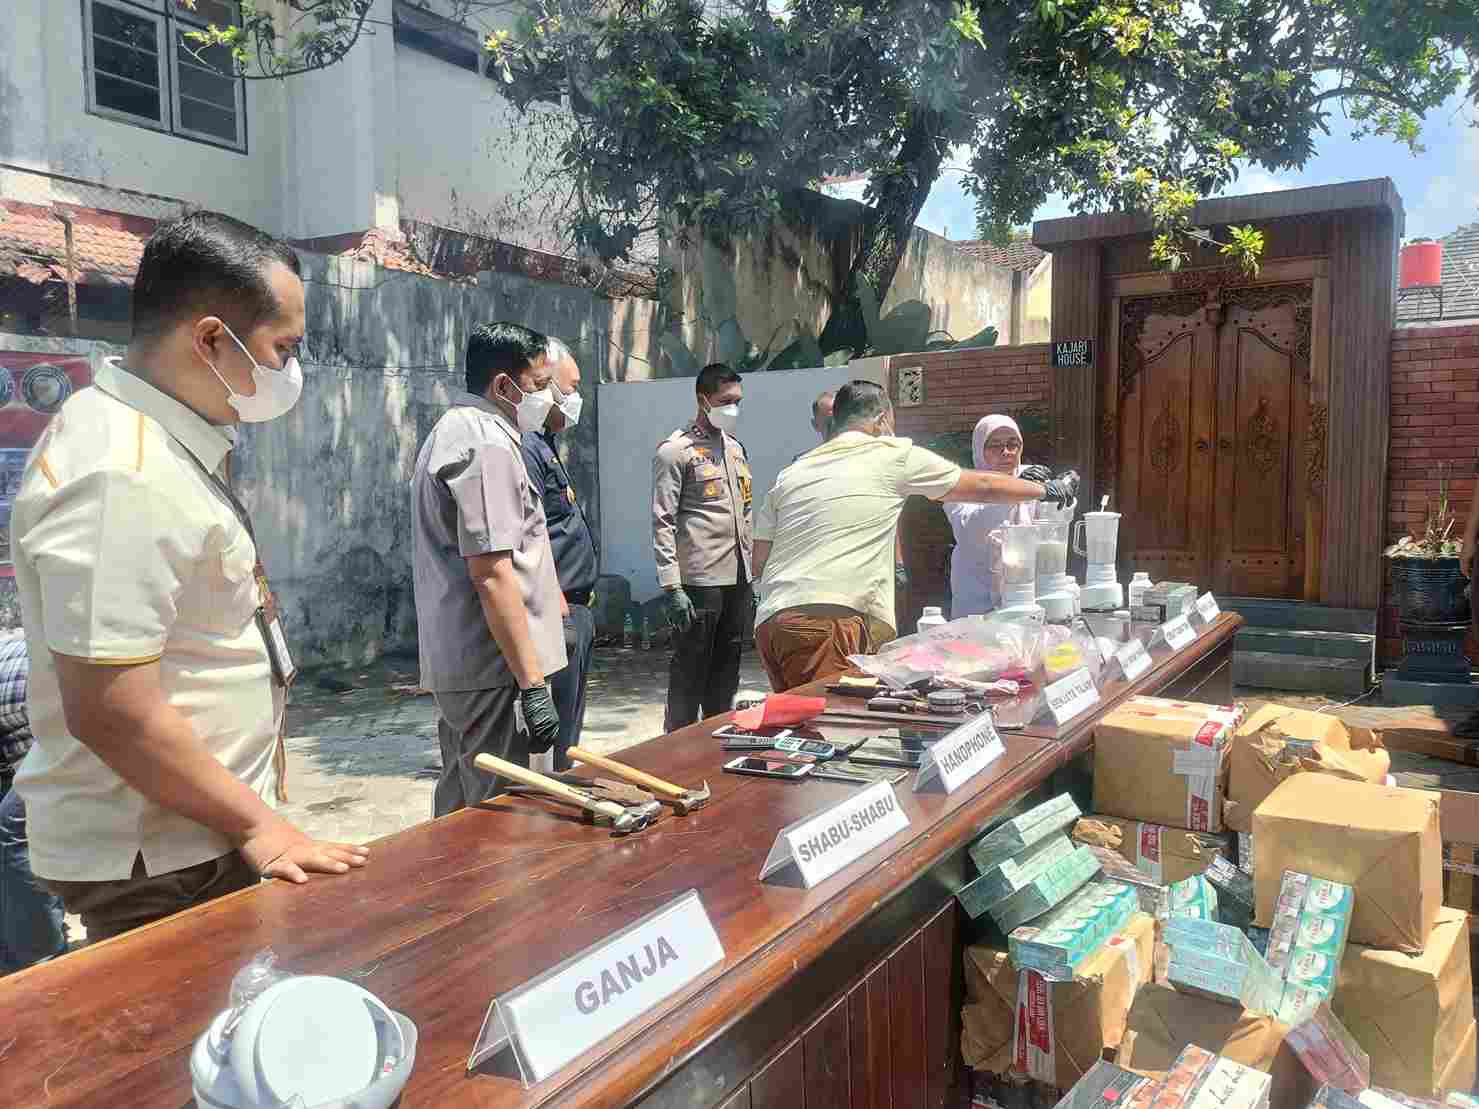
(1167, 415)
(1263, 412)
(1212, 437)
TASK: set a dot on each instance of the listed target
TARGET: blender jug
(1052, 546)
(1019, 563)
(1096, 537)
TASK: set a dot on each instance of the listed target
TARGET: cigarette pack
(1010, 875)
(1235, 897)
(1201, 1080)
(1155, 898)
(1245, 852)
(1105, 1085)
(1307, 938)
(1058, 944)
(1194, 897)
(1021, 832)
(1328, 1051)
(1218, 960)
(1048, 890)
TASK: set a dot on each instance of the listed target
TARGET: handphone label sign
(960, 756)
(822, 844)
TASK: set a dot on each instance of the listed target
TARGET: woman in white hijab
(996, 445)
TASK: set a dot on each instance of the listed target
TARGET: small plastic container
(1140, 585)
(932, 617)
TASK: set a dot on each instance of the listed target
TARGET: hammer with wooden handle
(622, 819)
(683, 800)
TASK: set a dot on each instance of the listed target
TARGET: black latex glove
(541, 718)
(680, 610)
(901, 576)
(1040, 474)
(1059, 491)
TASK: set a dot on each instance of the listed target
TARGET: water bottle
(628, 631)
(932, 617)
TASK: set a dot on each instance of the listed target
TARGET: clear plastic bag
(250, 982)
(979, 648)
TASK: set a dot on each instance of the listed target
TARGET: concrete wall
(791, 272)
(328, 484)
(1037, 303)
(328, 153)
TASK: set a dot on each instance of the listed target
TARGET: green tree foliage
(712, 118)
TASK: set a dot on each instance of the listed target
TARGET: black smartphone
(912, 739)
(769, 768)
(878, 754)
(853, 774)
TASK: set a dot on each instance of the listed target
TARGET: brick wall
(961, 386)
(1435, 418)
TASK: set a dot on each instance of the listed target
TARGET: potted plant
(1428, 583)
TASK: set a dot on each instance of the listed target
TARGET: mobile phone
(856, 775)
(814, 747)
(768, 734)
(789, 756)
(871, 754)
(908, 737)
(769, 768)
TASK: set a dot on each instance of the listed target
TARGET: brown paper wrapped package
(1162, 1022)
(1135, 769)
(1413, 1014)
(1088, 1013)
(1258, 760)
(1381, 841)
(1184, 854)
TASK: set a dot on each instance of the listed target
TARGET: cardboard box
(1161, 767)
(1163, 1022)
(1383, 842)
(1458, 822)
(1082, 1017)
(1413, 1014)
(1277, 742)
(1431, 735)
(1167, 855)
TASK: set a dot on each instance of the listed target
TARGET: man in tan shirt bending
(825, 536)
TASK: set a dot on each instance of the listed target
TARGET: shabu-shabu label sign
(821, 845)
(1068, 353)
(569, 1009)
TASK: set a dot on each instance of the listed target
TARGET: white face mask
(725, 417)
(570, 405)
(277, 390)
(533, 408)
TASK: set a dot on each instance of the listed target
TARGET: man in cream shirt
(158, 675)
(824, 538)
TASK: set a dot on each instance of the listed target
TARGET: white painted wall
(634, 417)
(44, 125)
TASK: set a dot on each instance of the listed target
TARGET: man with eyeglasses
(825, 534)
(577, 558)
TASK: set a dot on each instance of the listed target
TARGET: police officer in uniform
(577, 561)
(701, 523)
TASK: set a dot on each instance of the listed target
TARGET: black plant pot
(1430, 590)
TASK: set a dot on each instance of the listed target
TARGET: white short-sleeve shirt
(125, 553)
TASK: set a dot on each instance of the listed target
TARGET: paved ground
(362, 748)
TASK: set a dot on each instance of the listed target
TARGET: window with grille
(142, 69)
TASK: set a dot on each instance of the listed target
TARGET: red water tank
(1422, 264)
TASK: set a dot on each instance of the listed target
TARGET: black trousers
(567, 686)
(704, 673)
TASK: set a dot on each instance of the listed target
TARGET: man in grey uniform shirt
(487, 599)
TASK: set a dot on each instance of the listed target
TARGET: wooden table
(845, 995)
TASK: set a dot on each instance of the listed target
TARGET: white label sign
(961, 755)
(569, 1009)
(1178, 633)
(1133, 658)
(1067, 697)
(1207, 608)
(823, 844)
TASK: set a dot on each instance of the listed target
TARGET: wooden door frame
(1209, 281)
